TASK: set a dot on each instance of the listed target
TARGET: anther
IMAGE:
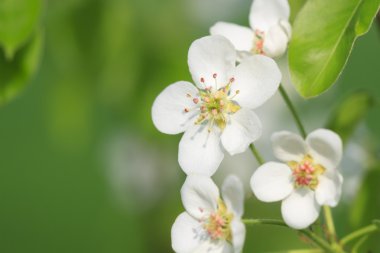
(214, 75)
(186, 110)
(195, 100)
(188, 95)
(202, 80)
(232, 80)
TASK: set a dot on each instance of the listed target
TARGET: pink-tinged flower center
(214, 105)
(258, 42)
(306, 172)
(217, 225)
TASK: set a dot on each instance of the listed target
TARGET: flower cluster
(234, 72)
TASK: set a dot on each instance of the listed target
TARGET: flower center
(306, 172)
(215, 105)
(258, 42)
(218, 223)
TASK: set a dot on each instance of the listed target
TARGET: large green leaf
(18, 20)
(323, 35)
(15, 73)
(350, 113)
(295, 7)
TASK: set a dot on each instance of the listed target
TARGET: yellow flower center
(306, 172)
(214, 106)
(218, 225)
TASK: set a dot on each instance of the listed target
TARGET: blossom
(210, 224)
(269, 33)
(308, 179)
(215, 113)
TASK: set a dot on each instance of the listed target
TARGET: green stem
(330, 224)
(257, 154)
(309, 234)
(293, 111)
(359, 233)
(357, 245)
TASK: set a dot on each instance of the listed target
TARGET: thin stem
(309, 234)
(357, 245)
(330, 224)
(257, 154)
(359, 233)
(299, 251)
(293, 111)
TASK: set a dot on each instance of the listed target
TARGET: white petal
(200, 151)
(199, 196)
(275, 42)
(325, 147)
(329, 189)
(265, 14)
(168, 109)
(233, 195)
(212, 55)
(288, 146)
(241, 37)
(243, 128)
(257, 79)
(210, 246)
(272, 182)
(238, 234)
(287, 28)
(187, 234)
(300, 209)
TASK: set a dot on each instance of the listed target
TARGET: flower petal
(186, 234)
(325, 147)
(265, 14)
(300, 209)
(256, 80)
(329, 189)
(210, 246)
(238, 234)
(288, 146)
(168, 109)
(272, 182)
(233, 195)
(241, 37)
(276, 42)
(200, 151)
(209, 56)
(243, 128)
(199, 196)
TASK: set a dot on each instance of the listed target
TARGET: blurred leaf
(15, 73)
(323, 35)
(18, 19)
(349, 113)
(365, 208)
(295, 7)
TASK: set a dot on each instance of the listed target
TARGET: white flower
(217, 112)
(308, 179)
(269, 33)
(210, 224)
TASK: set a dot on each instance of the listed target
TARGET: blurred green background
(82, 167)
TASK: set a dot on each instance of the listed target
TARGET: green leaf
(15, 73)
(295, 7)
(18, 21)
(352, 110)
(323, 35)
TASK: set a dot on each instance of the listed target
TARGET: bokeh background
(82, 168)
